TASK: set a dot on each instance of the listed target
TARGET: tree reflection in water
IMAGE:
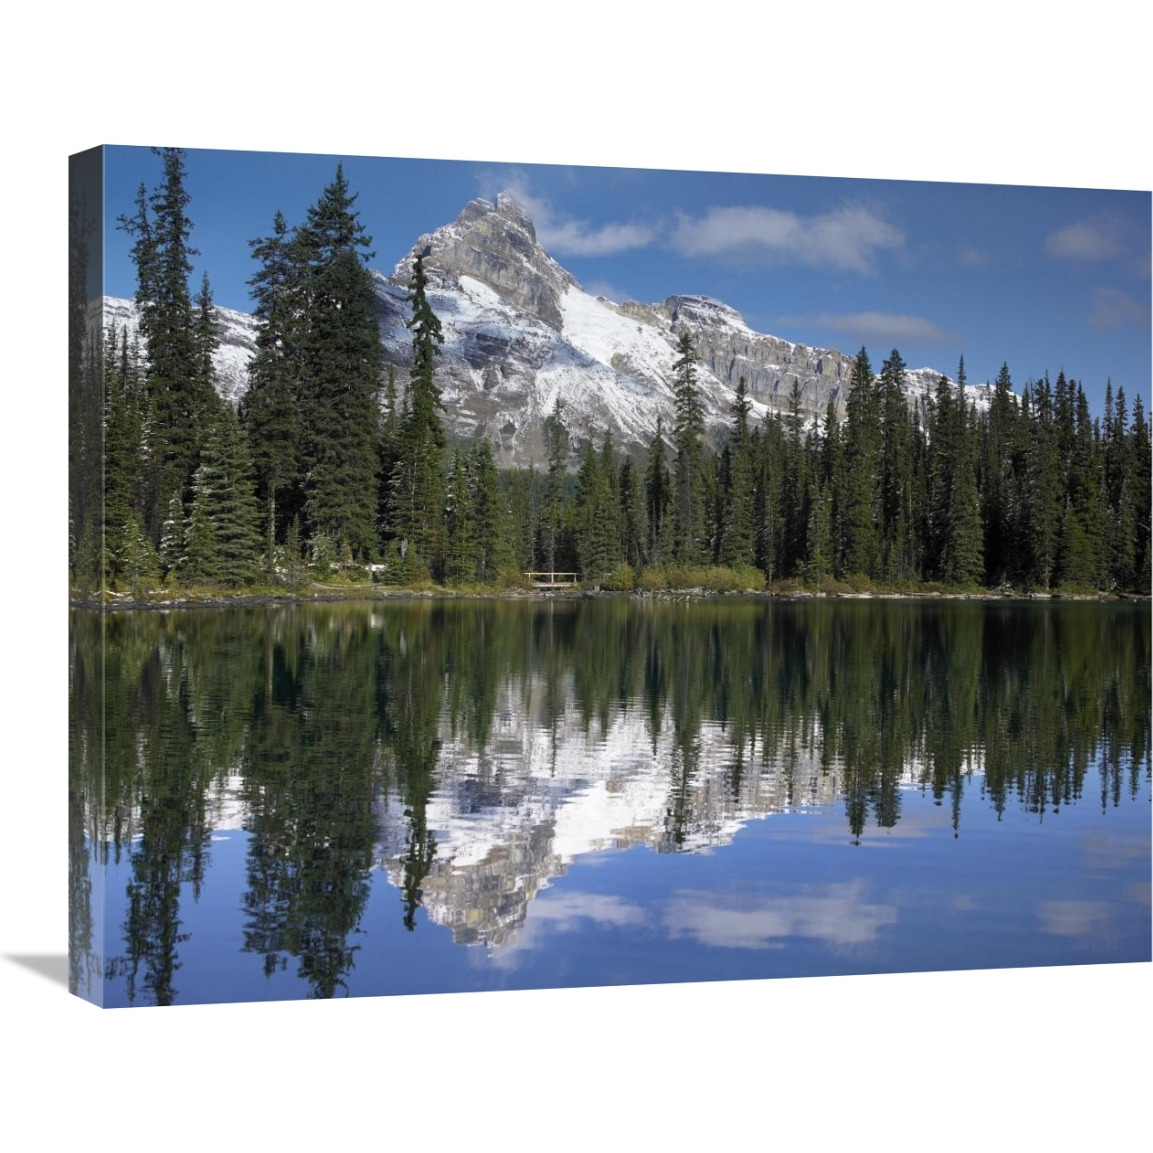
(448, 742)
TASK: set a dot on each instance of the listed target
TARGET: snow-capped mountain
(521, 333)
(235, 330)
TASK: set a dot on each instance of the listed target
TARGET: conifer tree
(418, 476)
(552, 516)
(690, 532)
(862, 471)
(137, 563)
(769, 457)
(737, 521)
(1121, 487)
(896, 473)
(1082, 551)
(596, 513)
(633, 524)
(832, 471)
(340, 374)
(494, 549)
(1043, 487)
(1139, 458)
(269, 407)
(222, 542)
(964, 550)
(460, 528)
(797, 488)
(172, 539)
(999, 496)
(123, 430)
(179, 395)
(658, 486)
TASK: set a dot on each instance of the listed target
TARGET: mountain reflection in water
(328, 799)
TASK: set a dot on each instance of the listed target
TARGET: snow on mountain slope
(521, 334)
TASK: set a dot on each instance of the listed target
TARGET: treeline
(1031, 492)
(331, 462)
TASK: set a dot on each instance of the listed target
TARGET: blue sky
(1044, 279)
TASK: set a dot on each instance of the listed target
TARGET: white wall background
(1018, 1059)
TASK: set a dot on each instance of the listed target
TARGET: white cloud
(1113, 309)
(1085, 240)
(1076, 918)
(552, 913)
(879, 327)
(835, 913)
(848, 238)
(562, 235)
(578, 238)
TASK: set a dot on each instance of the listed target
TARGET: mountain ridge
(521, 334)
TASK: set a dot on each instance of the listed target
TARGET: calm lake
(428, 796)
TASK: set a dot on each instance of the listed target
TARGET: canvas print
(490, 576)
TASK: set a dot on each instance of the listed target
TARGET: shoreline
(329, 595)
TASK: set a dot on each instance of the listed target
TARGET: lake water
(429, 796)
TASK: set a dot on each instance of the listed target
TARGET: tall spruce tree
(658, 494)
(495, 550)
(552, 514)
(863, 471)
(633, 524)
(1139, 458)
(179, 395)
(999, 488)
(418, 476)
(222, 539)
(737, 530)
(1042, 505)
(897, 527)
(341, 363)
(269, 409)
(689, 505)
(1081, 560)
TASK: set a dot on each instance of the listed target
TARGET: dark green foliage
(553, 512)
(1042, 506)
(1082, 558)
(658, 494)
(479, 545)
(222, 543)
(736, 529)
(1002, 466)
(341, 364)
(179, 386)
(417, 493)
(269, 408)
(690, 543)
(954, 544)
(1031, 492)
(898, 554)
(633, 525)
(862, 506)
(596, 513)
(1139, 470)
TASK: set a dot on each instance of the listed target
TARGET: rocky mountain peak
(497, 245)
(521, 335)
(508, 207)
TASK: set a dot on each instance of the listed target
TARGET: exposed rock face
(496, 244)
(521, 334)
(729, 349)
(545, 793)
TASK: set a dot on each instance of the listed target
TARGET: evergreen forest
(332, 469)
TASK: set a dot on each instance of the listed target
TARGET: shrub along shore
(684, 581)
